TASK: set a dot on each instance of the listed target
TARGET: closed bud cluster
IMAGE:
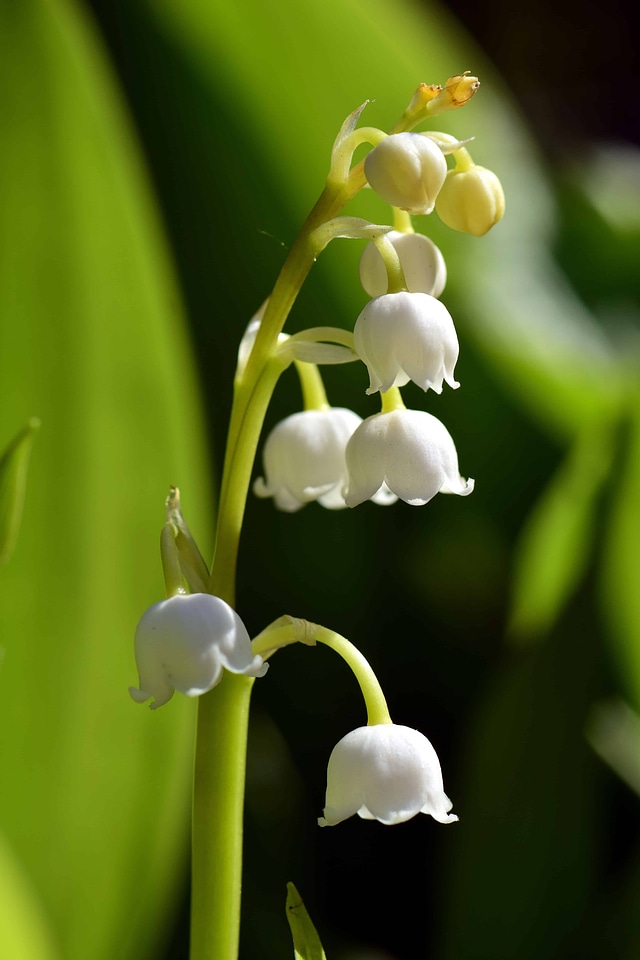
(407, 170)
(471, 201)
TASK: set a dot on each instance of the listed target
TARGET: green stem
(314, 396)
(287, 630)
(377, 709)
(218, 808)
(402, 221)
(221, 741)
(395, 274)
(223, 712)
(235, 483)
(391, 400)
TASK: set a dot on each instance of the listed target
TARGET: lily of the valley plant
(194, 641)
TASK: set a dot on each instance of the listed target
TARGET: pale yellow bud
(457, 91)
(471, 201)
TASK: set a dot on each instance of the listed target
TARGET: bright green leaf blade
(306, 942)
(23, 930)
(13, 480)
(555, 545)
(95, 789)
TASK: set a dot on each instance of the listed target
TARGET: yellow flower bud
(471, 201)
(457, 91)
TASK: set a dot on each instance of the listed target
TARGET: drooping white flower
(407, 170)
(410, 451)
(387, 773)
(421, 261)
(407, 336)
(185, 642)
(304, 459)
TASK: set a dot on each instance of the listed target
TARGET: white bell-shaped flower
(185, 642)
(409, 451)
(422, 263)
(387, 773)
(304, 459)
(407, 170)
(407, 336)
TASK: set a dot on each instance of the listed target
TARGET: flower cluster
(403, 334)
(330, 454)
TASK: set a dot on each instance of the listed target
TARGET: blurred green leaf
(522, 863)
(306, 942)
(555, 545)
(23, 931)
(95, 790)
(613, 730)
(621, 566)
(13, 480)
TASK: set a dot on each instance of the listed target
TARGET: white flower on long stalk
(385, 772)
(407, 170)
(304, 459)
(409, 452)
(421, 261)
(407, 336)
(185, 642)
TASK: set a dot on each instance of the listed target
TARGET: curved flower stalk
(385, 772)
(407, 170)
(421, 261)
(304, 459)
(407, 336)
(409, 451)
(185, 642)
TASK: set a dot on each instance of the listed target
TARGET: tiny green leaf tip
(306, 942)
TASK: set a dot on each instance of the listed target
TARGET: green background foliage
(151, 140)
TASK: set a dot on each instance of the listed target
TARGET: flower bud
(385, 772)
(410, 452)
(184, 643)
(407, 171)
(421, 261)
(471, 201)
(406, 336)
